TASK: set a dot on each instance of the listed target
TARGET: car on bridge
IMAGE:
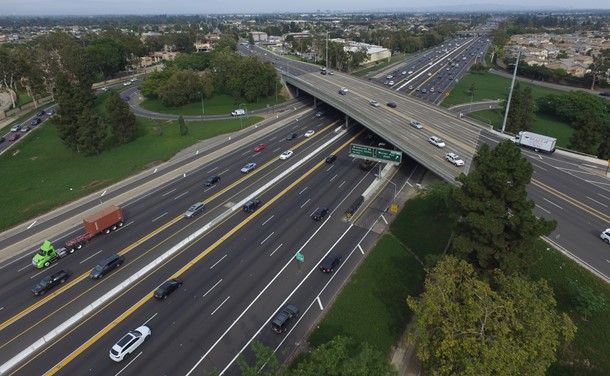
(416, 124)
(605, 235)
(374, 103)
(391, 104)
(436, 141)
(343, 91)
(454, 158)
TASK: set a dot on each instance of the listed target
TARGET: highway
(239, 268)
(571, 189)
(237, 273)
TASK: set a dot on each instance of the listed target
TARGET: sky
(96, 7)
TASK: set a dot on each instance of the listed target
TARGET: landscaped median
(372, 306)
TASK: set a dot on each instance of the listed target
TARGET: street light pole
(241, 117)
(202, 108)
(510, 94)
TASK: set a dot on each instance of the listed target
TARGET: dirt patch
(152, 164)
(33, 158)
(93, 184)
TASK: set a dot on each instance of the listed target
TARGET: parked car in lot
(194, 210)
(248, 168)
(260, 147)
(331, 158)
(35, 122)
(24, 128)
(291, 136)
(436, 141)
(40, 113)
(309, 133)
(16, 128)
(330, 262)
(416, 124)
(251, 205)
(50, 112)
(49, 282)
(167, 287)
(319, 213)
(14, 137)
(2, 139)
(212, 180)
(282, 319)
(454, 158)
(285, 155)
(129, 343)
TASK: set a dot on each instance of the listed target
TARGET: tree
(91, 132)
(266, 362)
(586, 301)
(465, 326)
(183, 129)
(108, 56)
(342, 357)
(497, 228)
(122, 120)
(522, 108)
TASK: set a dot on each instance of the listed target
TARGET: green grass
(372, 307)
(379, 66)
(217, 105)
(489, 86)
(24, 98)
(543, 124)
(44, 174)
(593, 336)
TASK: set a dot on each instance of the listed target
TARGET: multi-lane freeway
(238, 268)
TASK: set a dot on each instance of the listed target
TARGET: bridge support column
(346, 125)
(315, 102)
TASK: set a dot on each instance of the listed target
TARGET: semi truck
(104, 221)
(535, 141)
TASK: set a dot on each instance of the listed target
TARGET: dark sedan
(49, 282)
(330, 263)
(212, 180)
(35, 122)
(167, 288)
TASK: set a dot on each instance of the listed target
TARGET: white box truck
(238, 112)
(535, 141)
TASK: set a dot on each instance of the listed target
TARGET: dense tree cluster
(497, 228)
(522, 108)
(588, 114)
(467, 326)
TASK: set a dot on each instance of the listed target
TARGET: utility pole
(327, 50)
(510, 94)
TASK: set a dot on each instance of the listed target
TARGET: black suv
(167, 288)
(106, 266)
(291, 136)
(330, 262)
(280, 322)
(49, 282)
(331, 158)
(319, 214)
(212, 180)
(252, 205)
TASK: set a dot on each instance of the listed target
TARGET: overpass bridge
(392, 124)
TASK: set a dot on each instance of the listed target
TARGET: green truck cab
(47, 254)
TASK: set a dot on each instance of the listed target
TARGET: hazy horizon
(147, 7)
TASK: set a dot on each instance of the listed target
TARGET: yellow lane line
(180, 272)
(74, 281)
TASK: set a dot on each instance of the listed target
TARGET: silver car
(247, 168)
(194, 210)
(416, 124)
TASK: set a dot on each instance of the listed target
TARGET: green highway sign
(361, 150)
(388, 155)
(300, 257)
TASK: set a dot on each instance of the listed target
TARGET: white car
(374, 103)
(436, 141)
(129, 343)
(247, 168)
(309, 133)
(285, 155)
(429, 73)
(15, 128)
(605, 235)
(126, 83)
(416, 124)
(454, 158)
